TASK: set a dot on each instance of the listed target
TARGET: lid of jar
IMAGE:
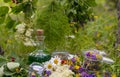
(40, 32)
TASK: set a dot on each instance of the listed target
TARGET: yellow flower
(114, 75)
(98, 74)
(96, 17)
(76, 31)
(77, 75)
(17, 69)
(76, 67)
(77, 59)
(70, 62)
(49, 66)
(91, 53)
(98, 56)
(56, 61)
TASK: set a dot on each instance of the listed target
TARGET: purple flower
(71, 67)
(88, 54)
(84, 74)
(94, 57)
(73, 60)
(81, 69)
(33, 76)
(48, 72)
(91, 75)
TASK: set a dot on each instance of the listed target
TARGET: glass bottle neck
(40, 42)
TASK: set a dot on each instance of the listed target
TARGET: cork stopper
(40, 32)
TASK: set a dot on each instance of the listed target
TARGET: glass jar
(39, 54)
(63, 55)
(35, 70)
(92, 61)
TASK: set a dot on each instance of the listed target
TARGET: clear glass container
(61, 54)
(39, 55)
(35, 70)
(92, 61)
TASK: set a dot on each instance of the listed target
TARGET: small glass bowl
(62, 54)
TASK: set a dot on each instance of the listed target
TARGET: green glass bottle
(39, 54)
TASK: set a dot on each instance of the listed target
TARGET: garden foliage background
(95, 28)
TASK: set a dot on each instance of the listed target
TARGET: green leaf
(2, 19)
(91, 3)
(17, 9)
(28, 9)
(13, 54)
(12, 66)
(7, 72)
(3, 10)
(9, 22)
(2, 60)
(6, 1)
(34, 2)
(19, 1)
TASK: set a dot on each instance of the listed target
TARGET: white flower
(20, 28)
(29, 32)
(48, 66)
(29, 42)
(56, 60)
(62, 71)
(67, 73)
